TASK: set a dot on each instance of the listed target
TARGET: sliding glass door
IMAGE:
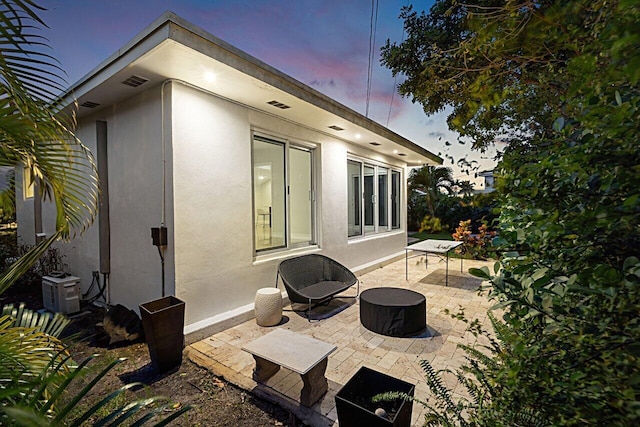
(283, 194)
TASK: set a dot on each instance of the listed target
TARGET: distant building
(488, 184)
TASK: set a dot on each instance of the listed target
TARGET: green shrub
(476, 246)
(431, 225)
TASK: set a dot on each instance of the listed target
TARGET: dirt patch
(215, 402)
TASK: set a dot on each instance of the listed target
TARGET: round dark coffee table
(394, 312)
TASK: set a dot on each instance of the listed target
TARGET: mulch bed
(215, 402)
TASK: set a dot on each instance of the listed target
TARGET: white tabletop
(291, 350)
(434, 246)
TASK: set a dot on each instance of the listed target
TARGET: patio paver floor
(340, 325)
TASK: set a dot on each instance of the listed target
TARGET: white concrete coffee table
(300, 353)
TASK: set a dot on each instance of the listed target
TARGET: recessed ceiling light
(395, 151)
(210, 77)
(358, 136)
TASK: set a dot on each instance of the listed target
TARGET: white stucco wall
(216, 269)
(210, 261)
(134, 141)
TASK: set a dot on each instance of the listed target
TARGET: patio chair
(314, 279)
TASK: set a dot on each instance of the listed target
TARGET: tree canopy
(561, 80)
(507, 67)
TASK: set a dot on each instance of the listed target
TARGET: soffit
(170, 50)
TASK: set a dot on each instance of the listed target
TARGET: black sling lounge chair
(314, 279)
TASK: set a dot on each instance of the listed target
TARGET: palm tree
(465, 188)
(432, 182)
(34, 366)
(33, 134)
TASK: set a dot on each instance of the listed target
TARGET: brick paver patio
(357, 346)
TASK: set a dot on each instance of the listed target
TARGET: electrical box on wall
(159, 236)
(61, 294)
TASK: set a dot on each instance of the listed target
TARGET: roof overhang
(174, 49)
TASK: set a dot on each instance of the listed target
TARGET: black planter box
(163, 323)
(354, 405)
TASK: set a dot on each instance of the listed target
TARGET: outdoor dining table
(432, 246)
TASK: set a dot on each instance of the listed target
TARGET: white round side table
(268, 306)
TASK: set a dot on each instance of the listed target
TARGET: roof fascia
(171, 26)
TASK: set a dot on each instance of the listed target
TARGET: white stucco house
(488, 184)
(244, 165)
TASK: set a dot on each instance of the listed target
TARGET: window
(283, 194)
(353, 172)
(373, 197)
(28, 183)
(395, 199)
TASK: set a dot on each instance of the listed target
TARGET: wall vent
(401, 154)
(334, 127)
(278, 104)
(89, 104)
(374, 143)
(135, 81)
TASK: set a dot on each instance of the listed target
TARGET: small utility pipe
(162, 263)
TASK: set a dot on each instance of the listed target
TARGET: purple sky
(322, 43)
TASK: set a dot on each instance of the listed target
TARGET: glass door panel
(383, 195)
(269, 194)
(395, 199)
(354, 194)
(300, 195)
(369, 199)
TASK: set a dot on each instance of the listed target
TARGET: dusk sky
(322, 43)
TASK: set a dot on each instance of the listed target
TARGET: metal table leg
(446, 277)
(406, 264)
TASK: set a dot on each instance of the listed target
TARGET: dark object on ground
(356, 408)
(313, 279)
(215, 402)
(121, 324)
(395, 312)
(163, 322)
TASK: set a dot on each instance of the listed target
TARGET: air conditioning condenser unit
(61, 294)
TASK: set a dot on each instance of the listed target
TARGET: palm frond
(24, 46)
(34, 402)
(30, 360)
(18, 268)
(125, 413)
(33, 134)
(50, 324)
